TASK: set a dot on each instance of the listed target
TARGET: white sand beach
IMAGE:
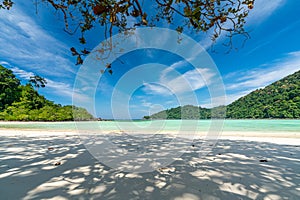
(38, 164)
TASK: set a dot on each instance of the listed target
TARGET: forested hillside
(23, 103)
(278, 100)
(185, 112)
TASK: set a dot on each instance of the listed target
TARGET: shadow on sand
(233, 170)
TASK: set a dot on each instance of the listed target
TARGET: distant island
(23, 102)
(279, 100)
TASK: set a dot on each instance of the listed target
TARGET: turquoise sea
(164, 125)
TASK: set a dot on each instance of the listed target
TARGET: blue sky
(35, 43)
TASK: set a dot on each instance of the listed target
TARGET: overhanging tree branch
(219, 16)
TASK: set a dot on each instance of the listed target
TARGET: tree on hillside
(217, 17)
(9, 87)
(277, 100)
(37, 81)
(24, 103)
(30, 98)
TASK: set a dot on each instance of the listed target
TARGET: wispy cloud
(260, 77)
(179, 85)
(189, 81)
(154, 88)
(172, 82)
(60, 88)
(146, 104)
(4, 63)
(223, 100)
(56, 87)
(262, 10)
(26, 44)
(22, 73)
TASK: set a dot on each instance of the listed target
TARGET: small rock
(263, 160)
(166, 169)
(57, 163)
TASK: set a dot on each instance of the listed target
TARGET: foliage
(37, 81)
(6, 4)
(213, 16)
(146, 117)
(278, 100)
(80, 114)
(9, 87)
(185, 112)
(23, 103)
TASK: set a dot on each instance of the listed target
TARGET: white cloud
(262, 76)
(26, 44)
(294, 53)
(178, 64)
(67, 90)
(181, 86)
(196, 79)
(60, 88)
(174, 83)
(22, 73)
(146, 104)
(262, 10)
(229, 98)
(80, 98)
(232, 97)
(4, 63)
(56, 87)
(154, 88)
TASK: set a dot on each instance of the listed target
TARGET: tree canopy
(278, 100)
(214, 16)
(23, 103)
(9, 87)
(37, 81)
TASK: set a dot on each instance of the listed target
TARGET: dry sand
(240, 166)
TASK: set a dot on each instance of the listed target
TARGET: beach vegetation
(37, 81)
(9, 87)
(24, 103)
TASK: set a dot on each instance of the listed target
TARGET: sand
(57, 165)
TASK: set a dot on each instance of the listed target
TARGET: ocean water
(162, 125)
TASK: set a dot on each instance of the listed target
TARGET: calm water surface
(167, 125)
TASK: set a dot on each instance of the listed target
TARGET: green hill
(279, 100)
(23, 102)
(185, 112)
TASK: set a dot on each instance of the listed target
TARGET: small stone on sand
(57, 163)
(263, 160)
